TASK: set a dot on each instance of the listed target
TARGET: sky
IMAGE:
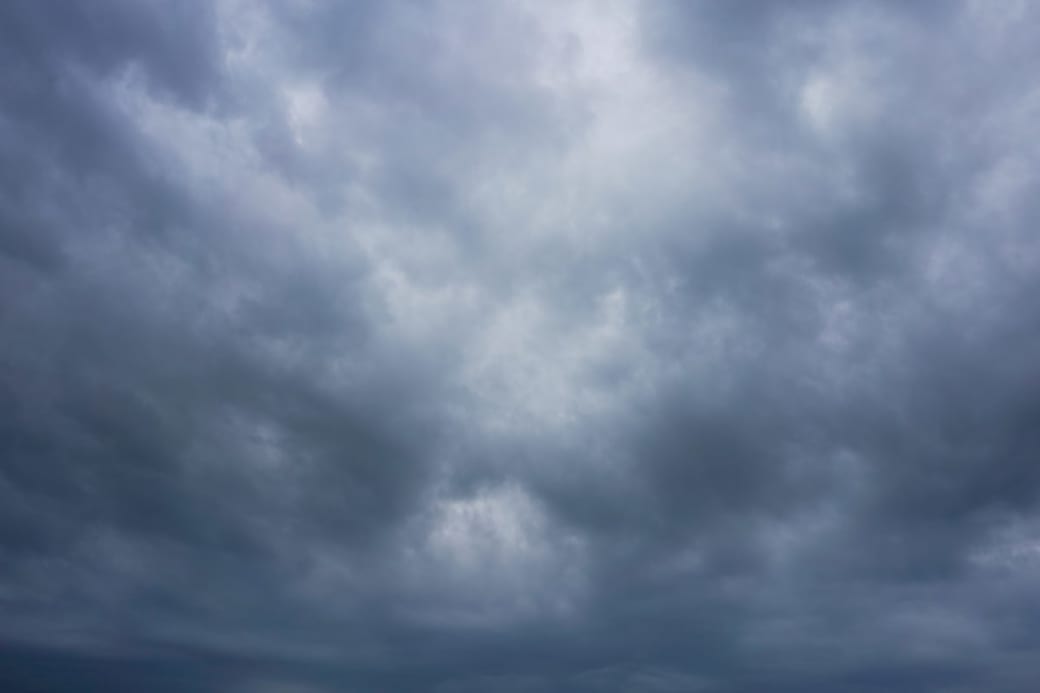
(523, 347)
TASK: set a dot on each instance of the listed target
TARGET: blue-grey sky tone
(537, 346)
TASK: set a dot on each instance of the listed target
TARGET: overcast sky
(533, 347)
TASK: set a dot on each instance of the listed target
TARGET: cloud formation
(521, 346)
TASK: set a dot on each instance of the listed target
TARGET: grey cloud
(425, 347)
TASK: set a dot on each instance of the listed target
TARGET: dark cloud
(540, 347)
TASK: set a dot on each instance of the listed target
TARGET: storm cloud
(519, 346)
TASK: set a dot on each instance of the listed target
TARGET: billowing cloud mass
(519, 346)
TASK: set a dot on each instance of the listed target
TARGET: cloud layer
(584, 346)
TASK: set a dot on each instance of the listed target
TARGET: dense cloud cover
(522, 346)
